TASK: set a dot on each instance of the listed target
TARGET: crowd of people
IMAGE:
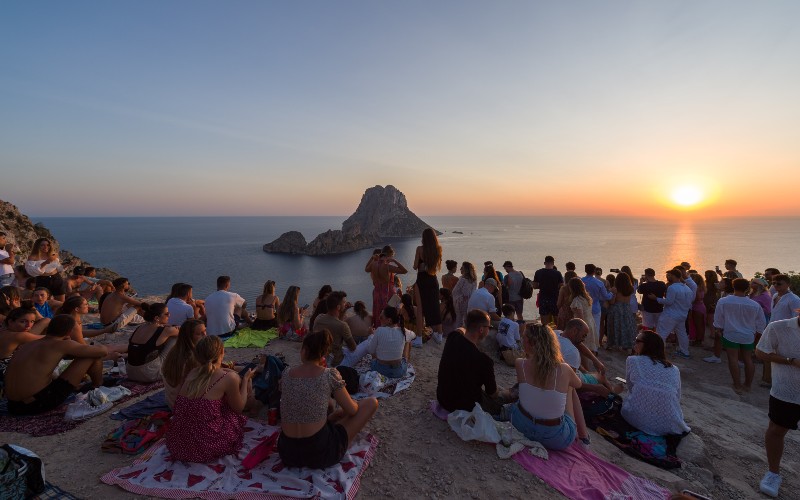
(555, 358)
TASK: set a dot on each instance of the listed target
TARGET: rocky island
(382, 214)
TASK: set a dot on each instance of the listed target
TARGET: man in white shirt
(677, 302)
(182, 306)
(780, 346)
(6, 261)
(483, 299)
(739, 319)
(222, 308)
(784, 306)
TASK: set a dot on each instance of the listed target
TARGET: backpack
(22, 475)
(526, 288)
(265, 384)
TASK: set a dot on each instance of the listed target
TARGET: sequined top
(305, 400)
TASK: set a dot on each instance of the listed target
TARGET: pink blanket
(580, 475)
(155, 474)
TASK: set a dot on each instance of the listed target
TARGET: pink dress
(202, 430)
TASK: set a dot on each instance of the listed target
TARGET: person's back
(481, 299)
(220, 307)
(464, 372)
(739, 318)
(360, 327)
(179, 311)
(340, 332)
(111, 307)
(653, 403)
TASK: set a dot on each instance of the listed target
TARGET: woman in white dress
(653, 404)
(462, 291)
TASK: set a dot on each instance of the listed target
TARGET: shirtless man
(30, 386)
(382, 267)
(118, 307)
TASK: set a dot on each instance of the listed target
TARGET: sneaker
(82, 410)
(771, 484)
(681, 354)
(437, 337)
(96, 397)
(417, 342)
(712, 359)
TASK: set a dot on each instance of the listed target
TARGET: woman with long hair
(181, 358)
(563, 301)
(581, 307)
(490, 272)
(390, 345)
(207, 421)
(633, 302)
(324, 291)
(759, 292)
(360, 322)
(620, 321)
(291, 316)
(427, 262)
(150, 343)
(76, 307)
(447, 310)
(547, 386)
(310, 437)
(463, 290)
(711, 297)
(10, 300)
(17, 331)
(697, 320)
(653, 404)
(43, 264)
(266, 308)
(409, 315)
(450, 279)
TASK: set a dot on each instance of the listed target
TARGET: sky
(469, 108)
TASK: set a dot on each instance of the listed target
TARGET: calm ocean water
(154, 252)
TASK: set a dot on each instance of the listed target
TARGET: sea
(155, 252)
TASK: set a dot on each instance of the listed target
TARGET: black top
(549, 281)
(464, 373)
(659, 288)
(141, 354)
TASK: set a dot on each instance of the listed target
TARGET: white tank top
(542, 403)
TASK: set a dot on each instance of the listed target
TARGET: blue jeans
(552, 437)
(390, 371)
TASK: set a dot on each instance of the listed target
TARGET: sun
(687, 196)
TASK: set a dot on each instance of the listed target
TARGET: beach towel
(387, 386)
(52, 422)
(603, 416)
(155, 474)
(53, 492)
(247, 337)
(144, 408)
(580, 475)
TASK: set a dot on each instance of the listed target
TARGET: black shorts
(324, 449)
(54, 283)
(787, 415)
(264, 324)
(547, 305)
(45, 400)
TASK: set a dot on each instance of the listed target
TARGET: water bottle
(123, 370)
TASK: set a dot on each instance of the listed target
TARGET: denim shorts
(552, 437)
(390, 371)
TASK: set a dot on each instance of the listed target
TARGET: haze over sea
(154, 252)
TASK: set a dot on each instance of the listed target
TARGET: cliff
(382, 213)
(22, 232)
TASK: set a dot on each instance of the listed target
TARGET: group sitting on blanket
(555, 366)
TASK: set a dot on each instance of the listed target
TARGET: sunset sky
(490, 108)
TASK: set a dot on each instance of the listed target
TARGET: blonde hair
(543, 351)
(207, 352)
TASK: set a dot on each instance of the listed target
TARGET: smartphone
(621, 380)
(614, 270)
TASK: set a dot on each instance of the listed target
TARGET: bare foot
(738, 389)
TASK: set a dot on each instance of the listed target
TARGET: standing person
(563, 302)
(780, 346)
(182, 306)
(465, 287)
(383, 268)
(548, 280)
(759, 292)
(581, 307)
(450, 279)
(621, 321)
(739, 319)
(634, 304)
(44, 265)
(697, 315)
(711, 297)
(784, 306)
(596, 289)
(512, 283)
(223, 307)
(7, 258)
(427, 262)
(769, 274)
(730, 270)
(651, 308)
(267, 308)
(677, 302)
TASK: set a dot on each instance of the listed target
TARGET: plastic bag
(371, 382)
(476, 425)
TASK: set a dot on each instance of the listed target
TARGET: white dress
(461, 294)
(653, 404)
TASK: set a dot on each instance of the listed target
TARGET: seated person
(653, 404)
(545, 411)
(360, 322)
(182, 306)
(10, 300)
(267, 305)
(291, 317)
(508, 336)
(225, 310)
(76, 307)
(181, 359)
(17, 331)
(30, 386)
(310, 437)
(484, 299)
(577, 355)
(43, 303)
(79, 284)
(332, 320)
(150, 343)
(117, 307)
(207, 421)
(466, 375)
(26, 292)
(390, 345)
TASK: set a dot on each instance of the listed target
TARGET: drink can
(272, 416)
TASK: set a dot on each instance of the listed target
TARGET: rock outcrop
(382, 214)
(22, 232)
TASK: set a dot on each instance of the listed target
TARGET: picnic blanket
(580, 475)
(52, 491)
(52, 422)
(144, 408)
(380, 386)
(603, 416)
(155, 474)
(247, 337)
